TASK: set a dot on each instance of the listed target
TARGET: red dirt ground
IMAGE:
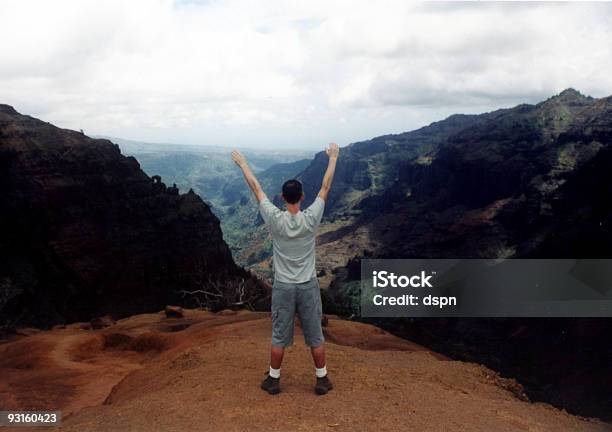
(202, 372)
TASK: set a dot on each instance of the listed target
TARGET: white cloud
(262, 72)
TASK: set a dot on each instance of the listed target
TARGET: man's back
(296, 288)
(293, 240)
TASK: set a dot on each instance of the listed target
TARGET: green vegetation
(210, 172)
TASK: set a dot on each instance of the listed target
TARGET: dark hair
(292, 191)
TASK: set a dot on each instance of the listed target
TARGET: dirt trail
(202, 372)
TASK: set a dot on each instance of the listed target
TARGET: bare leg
(318, 355)
(276, 357)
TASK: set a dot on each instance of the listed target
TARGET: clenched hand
(333, 150)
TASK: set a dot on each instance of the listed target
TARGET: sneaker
(323, 385)
(271, 385)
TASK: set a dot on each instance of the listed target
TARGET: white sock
(321, 372)
(274, 373)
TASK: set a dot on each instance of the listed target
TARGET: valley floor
(202, 372)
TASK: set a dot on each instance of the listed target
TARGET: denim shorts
(303, 298)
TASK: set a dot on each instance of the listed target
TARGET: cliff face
(529, 181)
(84, 231)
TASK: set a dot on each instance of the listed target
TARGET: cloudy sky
(290, 73)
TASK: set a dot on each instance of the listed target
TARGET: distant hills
(210, 172)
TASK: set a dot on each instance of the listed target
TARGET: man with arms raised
(296, 288)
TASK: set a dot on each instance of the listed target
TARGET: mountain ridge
(533, 181)
(84, 231)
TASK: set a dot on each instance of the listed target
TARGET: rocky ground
(202, 372)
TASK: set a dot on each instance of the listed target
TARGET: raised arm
(240, 160)
(332, 152)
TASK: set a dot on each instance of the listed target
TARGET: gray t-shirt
(293, 240)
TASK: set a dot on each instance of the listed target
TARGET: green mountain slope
(210, 172)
